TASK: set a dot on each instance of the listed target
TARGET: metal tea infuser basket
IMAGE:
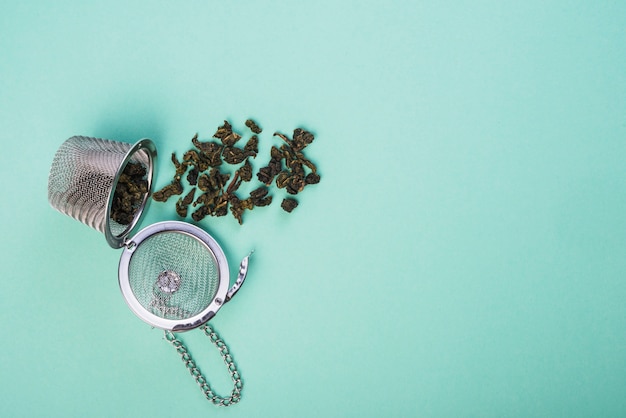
(173, 275)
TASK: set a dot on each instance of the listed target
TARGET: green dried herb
(206, 198)
(209, 156)
(234, 155)
(183, 204)
(226, 135)
(180, 167)
(253, 126)
(192, 176)
(174, 188)
(252, 146)
(245, 171)
(215, 180)
(312, 178)
(237, 207)
(259, 196)
(265, 175)
(200, 213)
(288, 167)
(301, 139)
(289, 204)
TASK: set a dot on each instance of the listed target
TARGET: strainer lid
(173, 275)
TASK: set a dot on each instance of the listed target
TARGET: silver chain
(235, 395)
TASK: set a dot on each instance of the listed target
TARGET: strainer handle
(243, 271)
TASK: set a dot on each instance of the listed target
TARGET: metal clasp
(243, 271)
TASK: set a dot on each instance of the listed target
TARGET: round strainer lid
(174, 275)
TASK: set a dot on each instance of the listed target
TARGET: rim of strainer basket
(145, 144)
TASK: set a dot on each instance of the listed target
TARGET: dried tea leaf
(221, 210)
(192, 176)
(135, 170)
(301, 138)
(234, 155)
(275, 166)
(238, 207)
(276, 154)
(252, 146)
(189, 197)
(289, 204)
(209, 155)
(284, 138)
(223, 131)
(213, 159)
(204, 182)
(282, 179)
(253, 126)
(180, 167)
(234, 184)
(312, 178)
(181, 209)
(174, 188)
(259, 192)
(183, 204)
(207, 198)
(264, 201)
(192, 157)
(226, 135)
(214, 180)
(245, 171)
(265, 175)
(200, 213)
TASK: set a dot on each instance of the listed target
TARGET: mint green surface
(463, 256)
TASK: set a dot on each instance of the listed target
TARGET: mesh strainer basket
(83, 178)
(173, 275)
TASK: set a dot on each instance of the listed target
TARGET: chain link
(195, 372)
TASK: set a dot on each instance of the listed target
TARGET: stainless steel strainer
(83, 178)
(173, 275)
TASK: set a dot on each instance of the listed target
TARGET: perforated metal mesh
(82, 176)
(173, 275)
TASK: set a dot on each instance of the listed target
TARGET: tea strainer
(173, 275)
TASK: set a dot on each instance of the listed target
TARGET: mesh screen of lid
(174, 275)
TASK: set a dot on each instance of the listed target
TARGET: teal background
(463, 256)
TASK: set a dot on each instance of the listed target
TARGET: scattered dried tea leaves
(288, 168)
